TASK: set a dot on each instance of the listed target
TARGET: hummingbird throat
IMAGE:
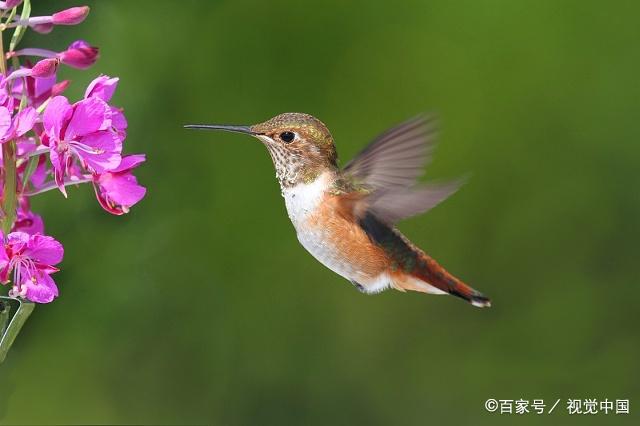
(293, 168)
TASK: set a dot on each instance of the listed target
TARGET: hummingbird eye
(287, 137)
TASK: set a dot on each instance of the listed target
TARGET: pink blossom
(31, 258)
(81, 131)
(79, 54)
(13, 127)
(49, 143)
(71, 16)
(45, 68)
(44, 24)
(38, 90)
(44, 28)
(26, 220)
(102, 87)
(117, 190)
(9, 4)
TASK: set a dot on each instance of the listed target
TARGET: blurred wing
(402, 203)
(397, 157)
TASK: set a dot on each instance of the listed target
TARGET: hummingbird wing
(389, 167)
(402, 203)
(397, 157)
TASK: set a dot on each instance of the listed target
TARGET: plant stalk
(9, 191)
(10, 332)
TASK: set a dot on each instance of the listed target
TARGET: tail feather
(431, 273)
(412, 269)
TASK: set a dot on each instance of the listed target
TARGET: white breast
(301, 201)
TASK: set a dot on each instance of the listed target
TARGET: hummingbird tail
(431, 273)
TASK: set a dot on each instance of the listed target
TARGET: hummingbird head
(300, 145)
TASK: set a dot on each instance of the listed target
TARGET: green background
(201, 307)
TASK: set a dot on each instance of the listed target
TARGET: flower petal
(89, 115)
(40, 173)
(24, 120)
(122, 188)
(130, 162)
(56, 115)
(100, 150)
(79, 54)
(17, 241)
(30, 223)
(58, 162)
(44, 249)
(5, 122)
(118, 120)
(4, 264)
(42, 86)
(40, 287)
(26, 220)
(102, 87)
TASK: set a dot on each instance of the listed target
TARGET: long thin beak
(237, 129)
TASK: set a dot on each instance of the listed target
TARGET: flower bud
(10, 4)
(59, 88)
(43, 28)
(102, 87)
(79, 54)
(71, 16)
(45, 68)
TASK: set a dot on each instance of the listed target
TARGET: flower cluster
(49, 142)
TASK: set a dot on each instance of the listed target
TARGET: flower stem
(9, 191)
(52, 185)
(9, 165)
(32, 51)
(3, 61)
(10, 332)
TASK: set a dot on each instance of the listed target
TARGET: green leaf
(11, 15)
(4, 316)
(31, 167)
(20, 29)
(10, 182)
(19, 318)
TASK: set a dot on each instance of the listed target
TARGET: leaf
(24, 310)
(31, 167)
(20, 29)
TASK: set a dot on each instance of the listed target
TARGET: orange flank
(335, 217)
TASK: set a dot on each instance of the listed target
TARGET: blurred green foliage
(201, 307)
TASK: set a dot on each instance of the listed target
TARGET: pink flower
(81, 131)
(9, 4)
(53, 144)
(11, 128)
(45, 68)
(31, 258)
(38, 90)
(102, 87)
(26, 220)
(79, 54)
(117, 190)
(71, 16)
(44, 24)
(44, 28)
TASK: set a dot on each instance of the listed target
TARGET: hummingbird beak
(227, 128)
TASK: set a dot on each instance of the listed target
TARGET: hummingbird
(346, 217)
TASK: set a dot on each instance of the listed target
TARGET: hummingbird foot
(358, 286)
